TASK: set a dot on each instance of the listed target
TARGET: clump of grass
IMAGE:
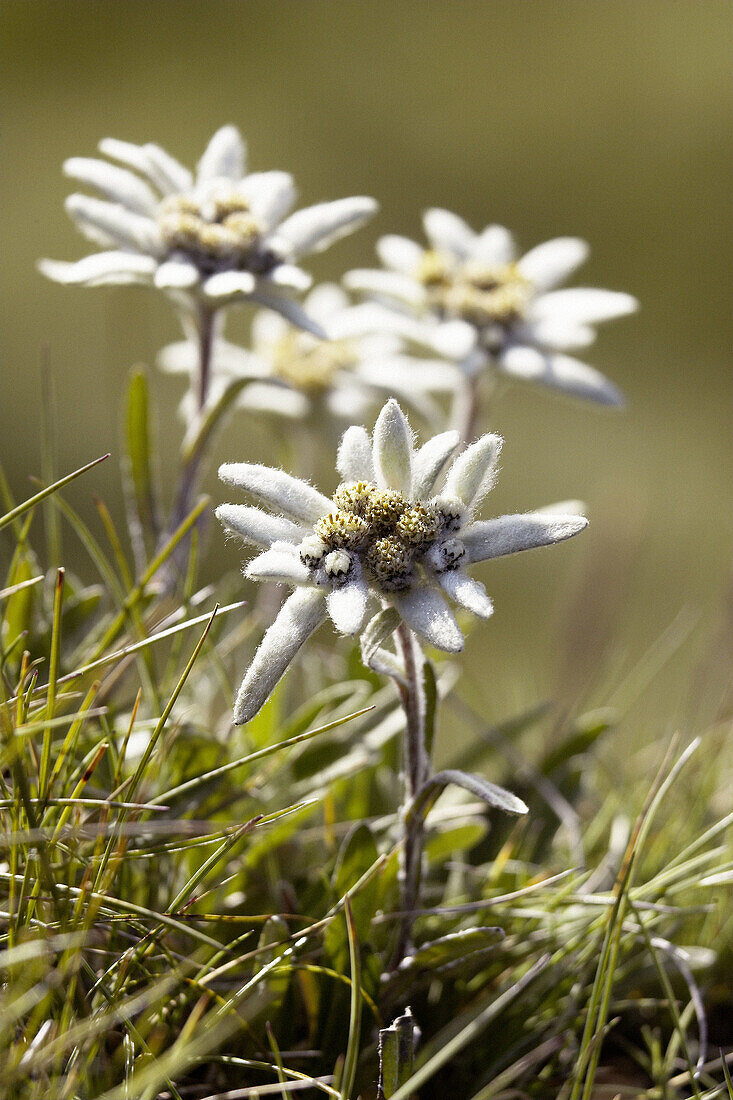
(190, 910)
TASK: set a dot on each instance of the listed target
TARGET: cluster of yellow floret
(222, 229)
(309, 364)
(480, 293)
(388, 533)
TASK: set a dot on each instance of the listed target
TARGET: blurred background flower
(299, 376)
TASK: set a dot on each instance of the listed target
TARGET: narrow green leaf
(19, 509)
(52, 677)
(450, 951)
(352, 1046)
(492, 794)
(138, 447)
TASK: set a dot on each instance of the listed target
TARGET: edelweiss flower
(296, 374)
(511, 313)
(387, 536)
(216, 237)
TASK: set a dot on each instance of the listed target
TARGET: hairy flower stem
(466, 410)
(470, 404)
(204, 328)
(416, 769)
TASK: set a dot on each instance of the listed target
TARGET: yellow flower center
(309, 364)
(218, 234)
(483, 294)
(388, 533)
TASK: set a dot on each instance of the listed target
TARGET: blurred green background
(606, 120)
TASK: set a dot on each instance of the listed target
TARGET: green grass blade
(19, 509)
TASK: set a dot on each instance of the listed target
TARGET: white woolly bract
(315, 227)
(347, 605)
(492, 538)
(392, 449)
(551, 262)
(299, 616)
(354, 461)
(429, 460)
(224, 156)
(467, 592)
(100, 268)
(559, 372)
(427, 613)
(257, 526)
(473, 473)
(280, 563)
(115, 183)
(281, 491)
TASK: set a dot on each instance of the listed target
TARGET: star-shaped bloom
(295, 374)
(216, 236)
(389, 536)
(508, 307)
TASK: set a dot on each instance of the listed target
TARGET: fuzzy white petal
(390, 284)
(171, 173)
(494, 245)
(267, 328)
(326, 302)
(229, 284)
(449, 233)
(274, 397)
(550, 263)
(257, 526)
(116, 184)
(177, 275)
(560, 372)
(94, 216)
(316, 227)
(347, 605)
(399, 253)
(346, 401)
(583, 305)
(354, 461)
(150, 160)
(429, 461)
(392, 449)
(271, 195)
(280, 563)
(299, 616)
(289, 275)
(556, 333)
(100, 269)
(467, 592)
(426, 612)
(266, 294)
(564, 508)
(367, 318)
(454, 339)
(492, 538)
(407, 372)
(473, 473)
(224, 156)
(295, 498)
